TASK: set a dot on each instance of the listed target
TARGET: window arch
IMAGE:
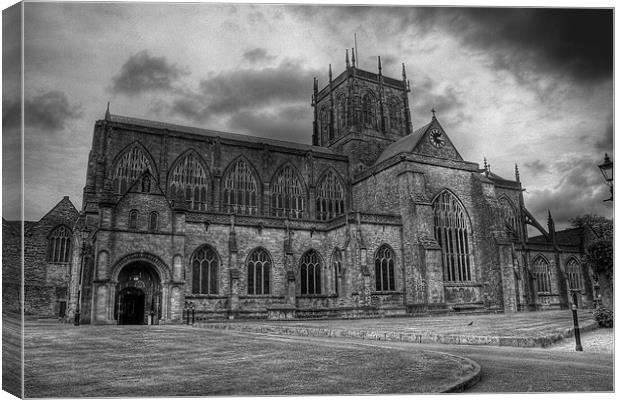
(511, 220)
(59, 245)
(133, 219)
(369, 111)
(542, 272)
(258, 270)
(341, 114)
(324, 124)
(310, 276)
(395, 114)
(329, 197)
(452, 232)
(240, 190)
(573, 270)
(205, 263)
(337, 267)
(189, 180)
(384, 269)
(129, 167)
(287, 194)
(153, 221)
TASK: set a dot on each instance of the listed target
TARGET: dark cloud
(291, 123)
(247, 89)
(49, 111)
(536, 168)
(447, 102)
(606, 141)
(257, 55)
(580, 191)
(143, 72)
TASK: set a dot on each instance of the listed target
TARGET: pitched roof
(220, 134)
(404, 144)
(568, 237)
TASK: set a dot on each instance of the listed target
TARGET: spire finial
(379, 63)
(330, 73)
(517, 177)
(404, 73)
(433, 111)
(107, 112)
(353, 56)
(347, 57)
(486, 167)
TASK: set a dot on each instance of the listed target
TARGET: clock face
(437, 138)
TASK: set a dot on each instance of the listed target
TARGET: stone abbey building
(375, 218)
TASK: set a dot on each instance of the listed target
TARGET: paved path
(598, 341)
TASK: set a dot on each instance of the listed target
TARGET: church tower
(359, 113)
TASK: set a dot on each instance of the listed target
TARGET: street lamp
(578, 346)
(84, 234)
(607, 169)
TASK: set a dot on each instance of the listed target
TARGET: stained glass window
(59, 245)
(337, 267)
(330, 197)
(189, 181)
(133, 219)
(258, 268)
(452, 232)
(573, 269)
(395, 114)
(205, 264)
(310, 267)
(543, 275)
(129, 168)
(369, 111)
(287, 195)
(384, 269)
(240, 192)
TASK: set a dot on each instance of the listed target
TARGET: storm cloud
(257, 55)
(143, 72)
(50, 111)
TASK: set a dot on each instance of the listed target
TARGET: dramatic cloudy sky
(526, 86)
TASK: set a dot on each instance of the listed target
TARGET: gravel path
(597, 341)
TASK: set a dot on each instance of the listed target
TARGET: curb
(464, 383)
(425, 338)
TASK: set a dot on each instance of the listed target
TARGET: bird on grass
(471, 323)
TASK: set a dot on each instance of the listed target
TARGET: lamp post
(84, 234)
(576, 321)
(607, 169)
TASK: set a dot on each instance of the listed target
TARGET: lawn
(106, 361)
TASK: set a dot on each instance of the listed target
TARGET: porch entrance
(138, 295)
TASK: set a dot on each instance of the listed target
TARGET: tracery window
(287, 198)
(129, 168)
(324, 124)
(240, 192)
(395, 114)
(310, 267)
(452, 232)
(384, 269)
(369, 111)
(573, 270)
(542, 272)
(189, 181)
(133, 219)
(330, 197)
(205, 262)
(153, 221)
(511, 221)
(258, 269)
(337, 267)
(59, 245)
(341, 118)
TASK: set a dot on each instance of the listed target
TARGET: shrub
(604, 317)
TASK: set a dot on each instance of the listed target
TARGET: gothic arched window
(205, 262)
(129, 168)
(542, 272)
(59, 245)
(384, 269)
(452, 232)
(310, 267)
(573, 270)
(258, 269)
(337, 266)
(395, 114)
(287, 195)
(330, 197)
(511, 221)
(369, 111)
(188, 181)
(133, 219)
(341, 118)
(324, 125)
(240, 191)
(153, 221)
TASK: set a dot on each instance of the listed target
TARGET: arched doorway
(138, 295)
